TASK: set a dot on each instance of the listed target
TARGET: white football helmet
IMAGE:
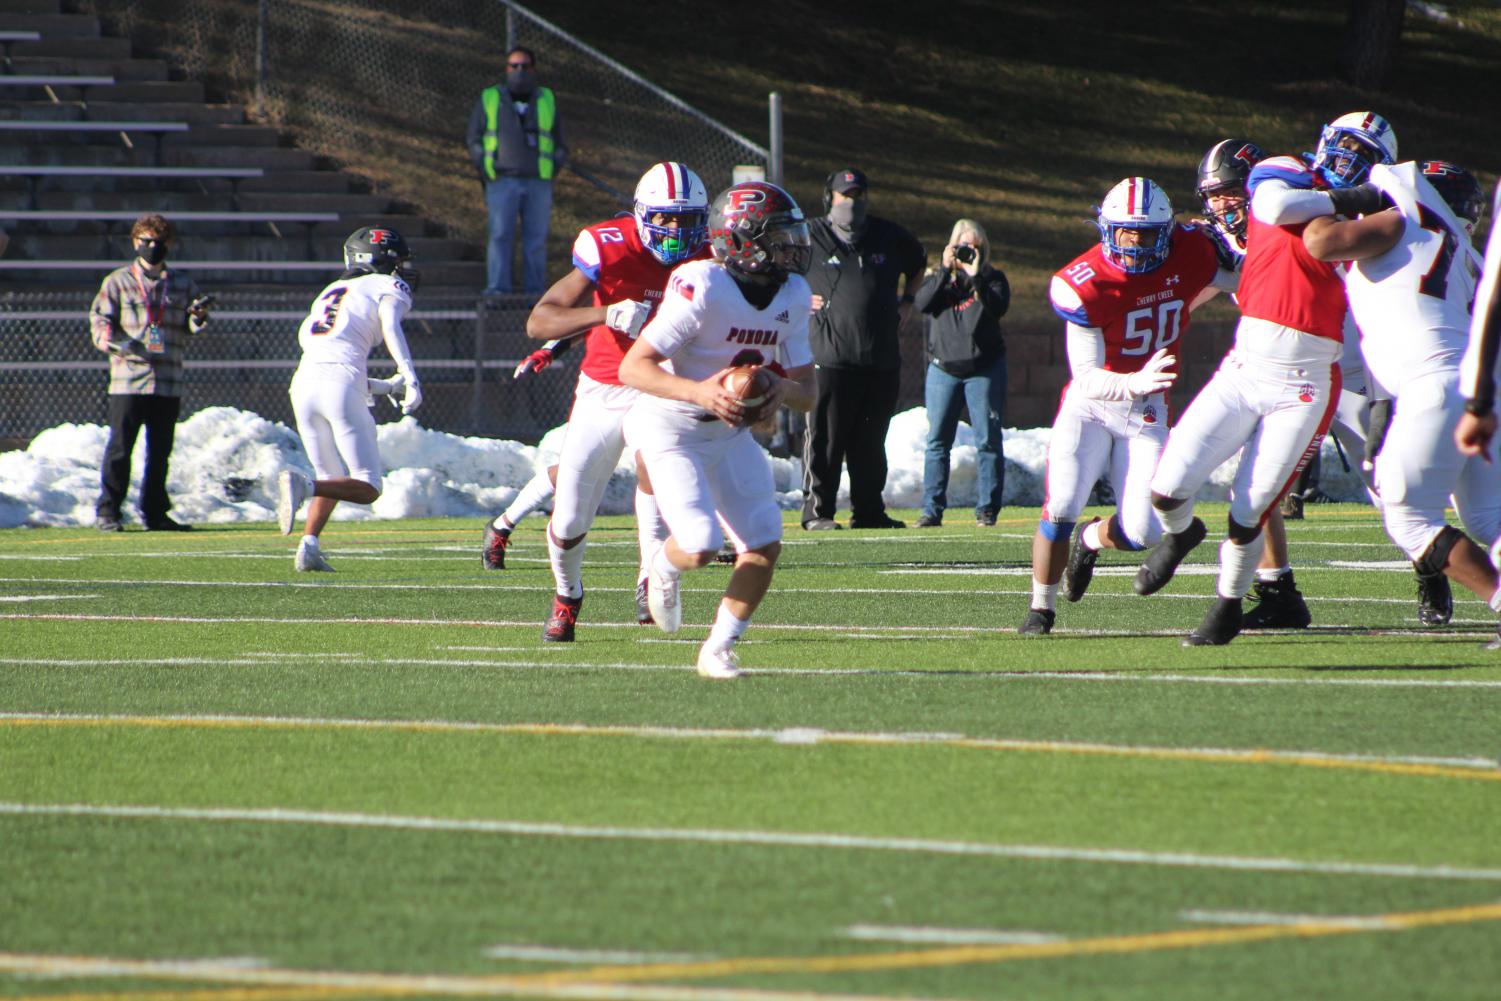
(672, 189)
(1351, 145)
(1139, 205)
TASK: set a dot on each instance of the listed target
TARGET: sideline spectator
(515, 140)
(141, 318)
(857, 260)
(962, 302)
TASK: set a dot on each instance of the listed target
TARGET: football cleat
(1220, 626)
(1039, 622)
(565, 612)
(718, 663)
(492, 554)
(662, 599)
(1162, 562)
(1279, 605)
(1080, 570)
(292, 489)
(726, 553)
(310, 558)
(643, 608)
(1292, 507)
(1494, 644)
(1435, 599)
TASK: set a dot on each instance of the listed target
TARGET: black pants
(848, 426)
(127, 414)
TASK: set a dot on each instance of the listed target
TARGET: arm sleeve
(104, 320)
(1278, 204)
(994, 292)
(1086, 360)
(474, 134)
(927, 299)
(392, 309)
(1226, 281)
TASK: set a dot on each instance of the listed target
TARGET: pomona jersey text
(610, 255)
(705, 325)
(343, 326)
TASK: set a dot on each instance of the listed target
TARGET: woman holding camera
(962, 302)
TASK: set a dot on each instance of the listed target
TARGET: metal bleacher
(92, 137)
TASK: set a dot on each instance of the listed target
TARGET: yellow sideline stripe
(613, 981)
(1258, 756)
(309, 993)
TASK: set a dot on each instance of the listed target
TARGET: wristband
(1478, 407)
(909, 298)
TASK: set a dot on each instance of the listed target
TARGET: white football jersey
(1413, 302)
(343, 325)
(705, 324)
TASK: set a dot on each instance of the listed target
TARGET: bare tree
(1372, 32)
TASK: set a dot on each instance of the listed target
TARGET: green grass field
(222, 780)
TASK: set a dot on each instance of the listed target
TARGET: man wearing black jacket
(858, 260)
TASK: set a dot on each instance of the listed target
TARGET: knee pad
(1240, 534)
(1163, 502)
(1055, 530)
(1436, 556)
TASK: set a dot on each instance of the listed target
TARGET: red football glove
(534, 362)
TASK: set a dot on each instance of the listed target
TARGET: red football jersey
(611, 255)
(1280, 281)
(1137, 313)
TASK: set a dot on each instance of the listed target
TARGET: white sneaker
(662, 598)
(292, 490)
(311, 558)
(718, 663)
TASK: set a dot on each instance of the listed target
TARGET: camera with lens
(964, 254)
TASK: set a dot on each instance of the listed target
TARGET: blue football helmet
(1351, 145)
(672, 189)
(1136, 204)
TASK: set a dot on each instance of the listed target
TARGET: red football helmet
(758, 232)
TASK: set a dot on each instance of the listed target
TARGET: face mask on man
(521, 82)
(848, 215)
(153, 252)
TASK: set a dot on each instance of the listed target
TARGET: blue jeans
(984, 393)
(530, 200)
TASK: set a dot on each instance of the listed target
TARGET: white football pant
(331, 404)
(591, 450)
(1082, 449)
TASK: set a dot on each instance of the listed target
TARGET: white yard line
(946, 936)
(44, 597)
(612, 957)
(1266, 918)
(781, 839)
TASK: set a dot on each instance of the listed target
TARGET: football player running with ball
(620, 268)
(331, 391)
(1126, 303)
(741, 308)
(1276, 390)
(1410, 284)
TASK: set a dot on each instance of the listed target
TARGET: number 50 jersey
(1136, 313)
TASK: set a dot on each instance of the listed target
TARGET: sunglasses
(518, 66)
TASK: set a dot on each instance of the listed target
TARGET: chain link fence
(50, 372)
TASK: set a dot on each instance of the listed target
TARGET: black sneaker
(1162, 562)
(930, 521)
(726, 553)
(1039, 622)
(1080, 569)
(166, 524)
(105, 523)
(1435, 598)
(882, 520)
(565, 612)
(821, 525)
(1279, 605)
(985, 518)
(643, 607)
(1220, 626)
(1292, 507)
(492, 554)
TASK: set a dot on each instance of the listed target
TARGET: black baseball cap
(847, 179)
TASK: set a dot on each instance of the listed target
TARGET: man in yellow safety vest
(515, 141)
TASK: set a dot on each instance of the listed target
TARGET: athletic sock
(1092, 536)
(310, 542)
(651, 530)
(1274, 574)
(1178, 519)
(727, 629)
(1495, 601)
(502, 524)
(1044, 596)
(1238, 566)
(663, 566)
(532, 496)
(567, 566)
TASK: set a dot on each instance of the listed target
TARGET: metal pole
(510, 29)
(260, 59)
(774, 161)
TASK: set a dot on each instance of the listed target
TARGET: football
(751, 385)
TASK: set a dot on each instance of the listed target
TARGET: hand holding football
(751, 386)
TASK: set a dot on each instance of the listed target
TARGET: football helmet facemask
(1351, 145)
(758, 232)
(1138, 205)
(1458, 188)
(672, 189)
(381, 250)
(1223, 172)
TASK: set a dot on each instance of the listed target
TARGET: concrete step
(299, 182)
(115, 201)
(51, 25)
(31, 7)
(288, 229)
(47, 154)
(120, 69)
(192, 112)
(266, 157)
(149, 92)
(345, 203)
(464, 276)
(72, 47)
(294, 245)
(409, 226)
(140, 186)
(224, 135)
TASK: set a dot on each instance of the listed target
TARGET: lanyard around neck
(156, 299)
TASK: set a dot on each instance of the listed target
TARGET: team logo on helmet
(758, 231)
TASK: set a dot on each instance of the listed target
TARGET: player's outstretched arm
(565, 309)
(1330, 239)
